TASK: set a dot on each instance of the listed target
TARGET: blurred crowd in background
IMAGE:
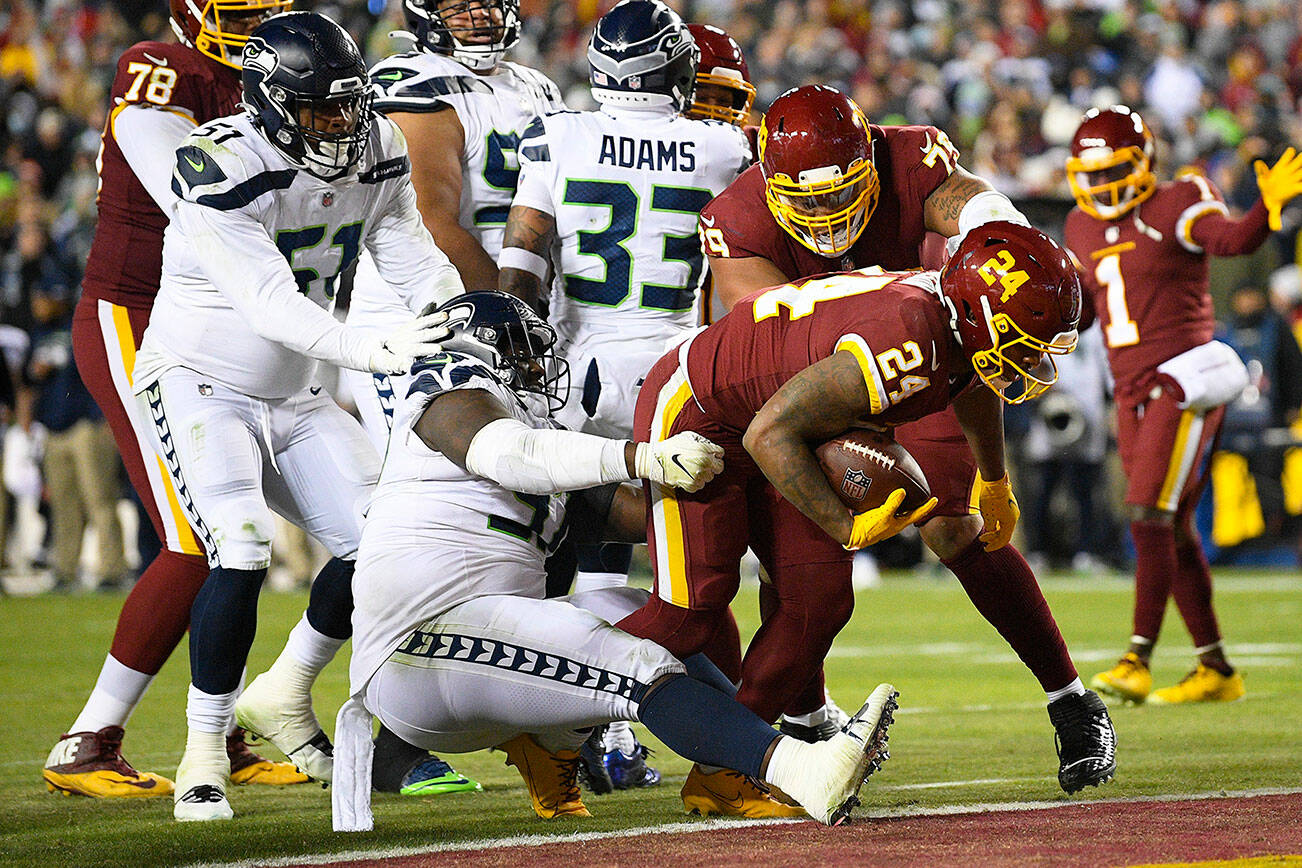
(1220, 84)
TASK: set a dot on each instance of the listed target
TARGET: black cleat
(1085, 739)
(592, 766)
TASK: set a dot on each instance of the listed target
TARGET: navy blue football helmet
(504, 333)
(306, 84)
(642, 54)
(476, 33)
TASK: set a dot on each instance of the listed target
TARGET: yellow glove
(999, 510)
(1279, 184)
(882, 523)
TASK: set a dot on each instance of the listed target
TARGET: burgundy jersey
(911, 162)
(126, 258)
(1148, 279)
(894, 324)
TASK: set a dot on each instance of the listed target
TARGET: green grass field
(972, 726)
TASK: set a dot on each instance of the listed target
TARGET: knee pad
(241, 530)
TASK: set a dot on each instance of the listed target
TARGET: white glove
(685, 461)
(412, 340)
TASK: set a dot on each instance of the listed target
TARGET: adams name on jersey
(263, 214)
(497, 535)
(619, 173)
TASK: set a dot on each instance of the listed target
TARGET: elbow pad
(544, 461)
(985, 207)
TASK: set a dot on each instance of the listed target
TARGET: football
(864, 466)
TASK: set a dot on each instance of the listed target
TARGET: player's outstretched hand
(685, 461)
(1279, 184)
(999, 510)
(875, 525)
(422, 336)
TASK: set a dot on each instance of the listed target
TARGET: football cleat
(91, 764)
(811, 734)
(201, 783)
(433, 776)
(592, 764)
(732, 794)
(1085, 739)
(1203, 684)
(830, 782)
(624, 758)
(266, 711)
(551, 778)
(1129, 681)
(248, 767)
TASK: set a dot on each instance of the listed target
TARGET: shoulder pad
(446, 372)
(211, 169)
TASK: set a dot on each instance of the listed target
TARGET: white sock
(244, 674)
(205, 760)
(598, 581)
(814, 718)
(310, 648)
(619, 736)
(789, 764)
(1073, 689)
(210, 712)
(117, 692)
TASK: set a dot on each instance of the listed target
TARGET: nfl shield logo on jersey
(635, 82)
(327, 199)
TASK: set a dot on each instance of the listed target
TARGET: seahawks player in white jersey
(619, 191)
(463, 109)
(454, 646)
(273, 206)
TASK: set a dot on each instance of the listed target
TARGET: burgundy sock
(1192, 590)
(1155, 569)
(1004, 591)
(157, 611)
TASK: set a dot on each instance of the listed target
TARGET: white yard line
(712, 825)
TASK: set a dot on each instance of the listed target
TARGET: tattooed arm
(817, 404)
(940, 211)
(530, 231)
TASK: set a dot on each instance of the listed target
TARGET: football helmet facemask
(504, 333)
(476, 33)
(1015, 299)
(306, 84)
(819, 180)
(1110, 169)
(723, 89)
(641, 55)
(219, 28)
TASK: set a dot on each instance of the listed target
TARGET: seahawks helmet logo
(260, 56)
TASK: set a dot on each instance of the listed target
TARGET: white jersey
(625, 188)
(494, 111)
(424, 501)
(253, 254)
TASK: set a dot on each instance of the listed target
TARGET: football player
(1142, 249)
(723, 88)
(833, 192)
(463, 109)
(161, 91)
(619, 190)
(455, 648)
(800, 363)
(297, 185)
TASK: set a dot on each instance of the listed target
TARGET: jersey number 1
(1121, 331)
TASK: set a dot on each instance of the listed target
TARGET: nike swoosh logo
(935, 362)
(143, 784)
(315, 390)
(732, 801)
(156, 61)
(390, 76)
(707, 221)
(927, 147)
(198, 167)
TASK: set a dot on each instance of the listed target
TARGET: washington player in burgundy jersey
(833, 192)
(802, 362)
(1142, 249)
(161, 91)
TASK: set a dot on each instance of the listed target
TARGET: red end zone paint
(1085, 834)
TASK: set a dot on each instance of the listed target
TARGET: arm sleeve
(407, 257)
(544, 461)
(263, 289)
(1211, 230)
(148, 138)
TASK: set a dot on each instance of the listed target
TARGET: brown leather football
(864, 466)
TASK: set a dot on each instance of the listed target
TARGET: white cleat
(845, 761)
(289, 724)
(201, 790)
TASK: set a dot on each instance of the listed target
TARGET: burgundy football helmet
(1110, 169)
(723, 88)
(220, 28)
(819, 180)
(1016, 300)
